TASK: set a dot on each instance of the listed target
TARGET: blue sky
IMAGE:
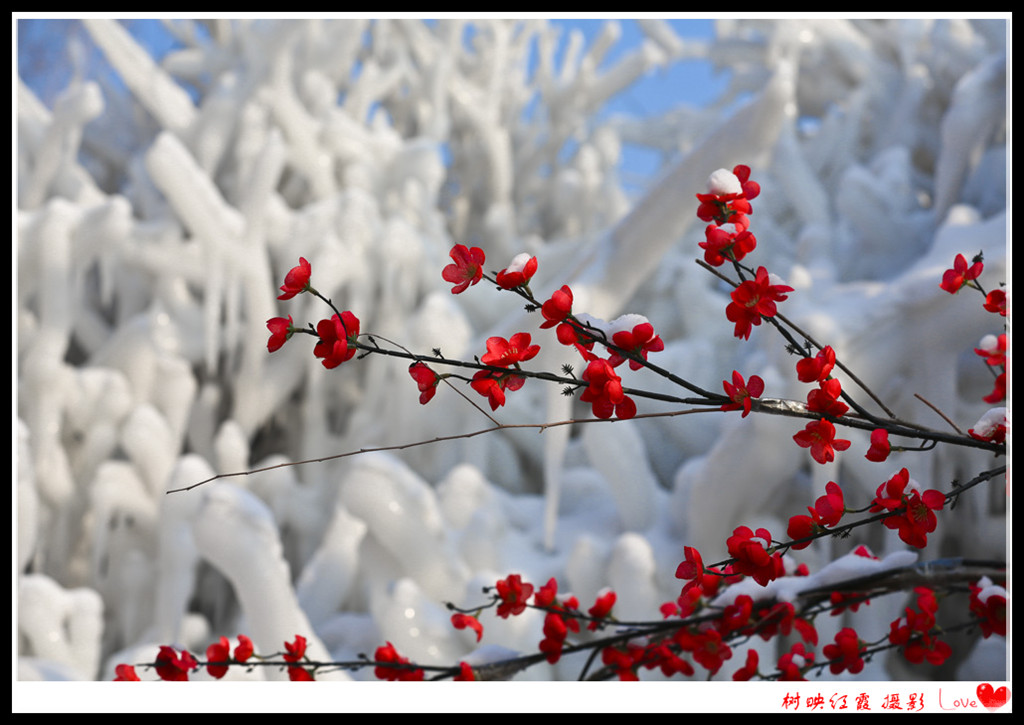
(51, 51)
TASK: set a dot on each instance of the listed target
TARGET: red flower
(659, 655)
(244, 649)
(749, 669)
(639, 341)
(827, 511)
(295, 651)
(545, 596)
(820, 437)
(913, 631)
(518, 273)
(706, 646)
(880, 447)
(995, 301)
(296, 281)
(386, 655)
(280, 332)
(752, 300)
(736, 616)
(467, 270)
(993, 349)
(492, 386)
(513, 593)
(125, 673)
(988, 603)
(728, 197)
(722, 246)
(754, 556)
(991, 426)
(623, 661)
(960, 276)
(917, 519)
(845, 653)
(555, 632)
(426, 379)
(461, 621)
(741, 393)
(336, 336)
(604, 391)
(173, 667)
(300, 674)
(691, 569)
(218, 652)
(557, 308)
(817, 368)
(465, 673)
(793, 663)
(998, 393)
(503, 353)
(825, 399)
(601, 609)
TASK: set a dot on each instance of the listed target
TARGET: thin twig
(941, 414)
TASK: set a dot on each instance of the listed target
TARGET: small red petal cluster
(845, 653)
(825, 399)
(295, 652)
(960, 276)
(463, 621)
(754, 300)
(722, 246)
(337, 338)
(995, 302)
(913, 631)
(820, 437)
(754, 555)
(728, 197)
(828, 511)
(741, 393)
(393, 667)
(638, 342)
(914, 511)
(604, 391)
(505, 354)
(518, 273)
(218, 655)
(561, 618)
(602, 609)
(467, 268)
(174, 667)
(988, 603)
(426, 380)
(297, 280)
(880, 447)
(817, 368)
(513, 594)
(794, 663)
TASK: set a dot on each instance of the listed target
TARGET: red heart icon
(992, 699)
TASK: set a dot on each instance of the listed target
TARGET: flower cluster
(988, 603)
(728, 198)
(827, 512)
(393, 667)
(754, 554)
(336, 336)
(754, 300)
(960, 276)
(913, 631)
(914, 510)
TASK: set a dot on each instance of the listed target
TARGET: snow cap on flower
(991, 426)
(519, 272)
(723, 182)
